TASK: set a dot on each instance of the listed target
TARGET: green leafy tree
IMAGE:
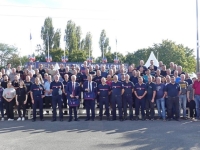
(77, 56)
(88, 44)
(104, 43)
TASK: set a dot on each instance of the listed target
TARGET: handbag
(73, 102)
(89, 95)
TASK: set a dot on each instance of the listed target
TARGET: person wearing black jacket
(21, 100)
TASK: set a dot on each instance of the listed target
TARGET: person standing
(90, 91)
(116, 97)
(1, 103)
(173, 91)
(196, 88)
(150, 98)
(160, 98)
(190, 98)
(21, 100)
(9, 94)
(183, 96)
(37, 95)
(57, 89)
(73, 92)
(28, 84)
(127, 97)
(140, 91)
(103, 92)
(48, 94)
(64, 94)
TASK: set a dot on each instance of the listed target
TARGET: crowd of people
(142, 88)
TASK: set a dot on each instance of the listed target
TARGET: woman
(21, 100)
(9, 94)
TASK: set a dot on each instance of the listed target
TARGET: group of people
(170, 90)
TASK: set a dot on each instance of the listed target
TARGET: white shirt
(90, 85)
(32, 71)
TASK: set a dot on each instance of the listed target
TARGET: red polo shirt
(196, 86)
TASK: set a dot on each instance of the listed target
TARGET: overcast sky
(135, 23)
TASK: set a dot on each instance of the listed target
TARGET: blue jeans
(161, 105)
(197, 101)
(182, 102)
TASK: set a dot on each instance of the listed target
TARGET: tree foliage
(104, 43)
(77, 56)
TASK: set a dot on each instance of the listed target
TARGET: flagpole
(116, 48)
(197, 36)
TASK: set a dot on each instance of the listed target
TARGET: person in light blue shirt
(48, 95)
(177, 78)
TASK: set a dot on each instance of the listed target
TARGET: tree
(168, 51)
(6, 53)
(71, 36)
(88, 43)
(57, 54)
(78, 36)
(103, 42)
(77, 56)
(49, 36)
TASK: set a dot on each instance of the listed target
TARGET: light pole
(47, 37)
(197, 36)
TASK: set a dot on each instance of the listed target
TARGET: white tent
(152, 57)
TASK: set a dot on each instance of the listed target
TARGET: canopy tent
(151, 57)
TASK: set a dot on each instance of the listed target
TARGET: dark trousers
(57, 100)
(38, 101)
(173, 102)
(149, 108)
(64, 97)
(1, 108)
(23, 106)
(48, 101)
(70, 112)
(139, 103)
(103, 100)
(90, 105)
(192, 106)
(9, 109)
(97, 97)
(128, 101)
(116, 99)
(29, 102)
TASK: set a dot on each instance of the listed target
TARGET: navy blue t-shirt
(160, 90)
(37, 90)
(116, 88)
(140, 89)
(104, 90)
(55, 86)
(128, 87)
(97, 79)
(65, 83)
(104, 74)
(172, 89)
(151, 87)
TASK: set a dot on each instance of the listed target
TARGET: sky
(135, 24)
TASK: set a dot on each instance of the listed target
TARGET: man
(30, 70)
(64, 94)
(168, 71)
(41, 70)
(183, 96)
(103, 92)
(163, 71)
(187, 79)
(19, 70)
(123, 78)
(160, 98)
(78, 75)
(28, 84)
(172, 67)
(15, 82)
(127, 97)
(148, 73)
(103, 71)
(122, 71)
(62, 71)
(116, 98)
(191, 102)
(57, 88)
(140, 91)
(173, 91)
(150, 98)
(130, 70)
(83, 67)
(73, 92)
(37, 95)
(8, 69)
(158, 73)
(196, 87)
(48, 94)
(97, 79)
(152, 67)
(177, 78)
(90, 91)
(142, 65)
(160, 65)
(12, 74)
(180, 70)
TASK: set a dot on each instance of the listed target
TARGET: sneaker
(19, 119)
(23, 118)
(2, 119)
(10, 119)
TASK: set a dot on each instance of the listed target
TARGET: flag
(30, 36)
